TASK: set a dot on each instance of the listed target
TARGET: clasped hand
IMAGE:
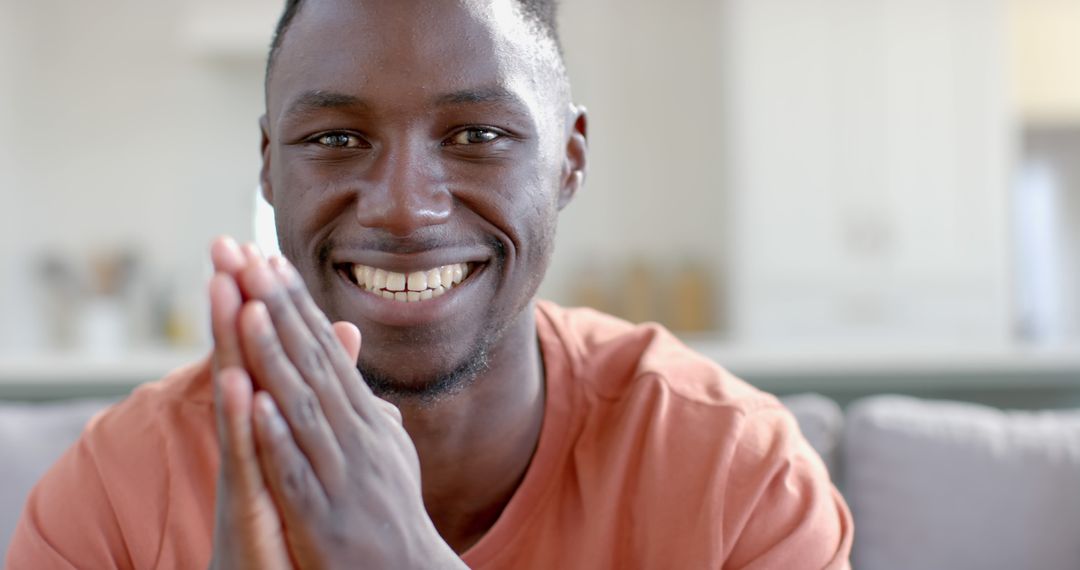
(316, 471)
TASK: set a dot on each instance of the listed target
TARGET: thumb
(349, 337)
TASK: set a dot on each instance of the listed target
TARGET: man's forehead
(420, 48)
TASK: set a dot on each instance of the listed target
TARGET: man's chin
(428, 387)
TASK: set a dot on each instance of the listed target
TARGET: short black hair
(541, 13)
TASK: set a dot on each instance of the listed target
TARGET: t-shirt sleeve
(781, 509)
(68, 521)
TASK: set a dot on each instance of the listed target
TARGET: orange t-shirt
(650, 456)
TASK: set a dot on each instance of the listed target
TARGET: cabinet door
(871, 150)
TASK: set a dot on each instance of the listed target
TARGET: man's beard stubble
(435, 389)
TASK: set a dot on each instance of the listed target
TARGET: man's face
(417, 154)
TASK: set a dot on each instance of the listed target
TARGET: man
(417, 154)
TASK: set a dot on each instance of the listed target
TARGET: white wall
(165, 144)
(124, 136)
(649, 74)
(17, 326)
(9, 229)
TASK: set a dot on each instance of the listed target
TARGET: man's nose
(405, 192)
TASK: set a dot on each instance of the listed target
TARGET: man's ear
(264, 173)
(577, 151)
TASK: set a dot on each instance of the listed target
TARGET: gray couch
(932, 485)
(937, 485)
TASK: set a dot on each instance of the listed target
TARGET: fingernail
(283, 268)
(230, 244)
(226, 254)
(277, 263)
(252, 252)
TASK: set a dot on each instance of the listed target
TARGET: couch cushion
(32, 437)
(822, 423)
(943, 485)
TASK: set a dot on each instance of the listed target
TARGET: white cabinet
(871, 150)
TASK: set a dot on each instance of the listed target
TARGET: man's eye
(474, 136)
(341, 140)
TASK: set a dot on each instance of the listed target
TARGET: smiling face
(417, 153)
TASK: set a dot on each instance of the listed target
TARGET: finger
(300, 345)
(288, 473)
(275, 373)
(247, 528)
(230, 403)
(239, 464)
(349, 337)
(244, 506)
(225, 304)
(343, 363)
(226, 255)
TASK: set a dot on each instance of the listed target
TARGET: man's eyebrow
(318, 99)
(321, 99)
(495, 94)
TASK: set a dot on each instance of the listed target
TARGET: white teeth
(434, 279)
(417, 281)
(362, 274)
(395, 281)
(413, 287)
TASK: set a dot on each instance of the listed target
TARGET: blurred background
(841, 196)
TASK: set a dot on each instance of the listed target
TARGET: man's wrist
(435, 553)
(442, 557)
